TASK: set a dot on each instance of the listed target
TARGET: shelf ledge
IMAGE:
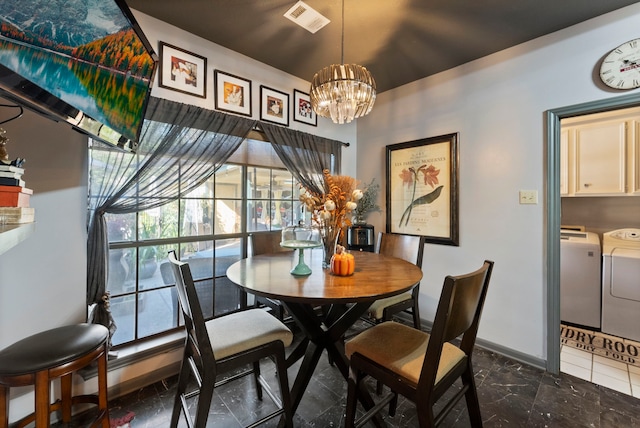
(12, 234)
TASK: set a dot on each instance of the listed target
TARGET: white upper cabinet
(599, 154)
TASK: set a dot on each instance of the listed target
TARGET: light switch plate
(529, 197)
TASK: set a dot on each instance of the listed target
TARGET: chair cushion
(239, 331)
(376, 310)
(401, 349)
(51, 348)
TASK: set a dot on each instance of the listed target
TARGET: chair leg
(471, 397)
(4, 407)
(43, 398)
(353, 383)
(65, 397)
(416, 315)
(204, 402)
(256, 376)
(103, 399)
(183, 380)
(281, 370)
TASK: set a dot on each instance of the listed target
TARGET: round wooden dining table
(345, 299)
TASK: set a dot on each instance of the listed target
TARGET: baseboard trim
(490, 346)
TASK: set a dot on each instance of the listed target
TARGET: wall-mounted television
(86, 62)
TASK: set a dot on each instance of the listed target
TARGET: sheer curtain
(177, 140)
(304, 155)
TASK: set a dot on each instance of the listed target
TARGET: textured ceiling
(399, 41)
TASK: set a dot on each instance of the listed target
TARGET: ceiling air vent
(306, 17)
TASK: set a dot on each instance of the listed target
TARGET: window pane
(149, 258)
(257, 214)
(121, 227)
(122, 271)
(197, 218)
(161, 222)
(259, 183)
(229, 182)
(123, 309)
(204, 191)
(196, 249)
(157, 311)
(228, 216)
(227, 296)
(228, 251)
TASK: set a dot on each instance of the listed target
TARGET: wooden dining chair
(221, 345)
(422, 366)
(411, 249)
(265, 243)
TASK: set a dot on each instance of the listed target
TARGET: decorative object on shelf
(232, 93)
(302, 110)
(182, 71)
(14, 196)
(620, 67)
(422, 189)
(331, 209)
(342, 262)
(343, 92)
(274, 106)
(301, 237)
(367, 204)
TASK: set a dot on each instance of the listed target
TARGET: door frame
(552, 126)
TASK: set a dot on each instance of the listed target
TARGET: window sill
(136, 352)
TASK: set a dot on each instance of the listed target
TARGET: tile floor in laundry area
(616, 375)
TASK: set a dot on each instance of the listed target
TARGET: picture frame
(422, 189)
(302, 110)
(182, 71)
(232, 93)
(274, 106)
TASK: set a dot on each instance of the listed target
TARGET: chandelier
(343, 92)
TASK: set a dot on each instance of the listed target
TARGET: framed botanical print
(274, 106)
(182, 71)
(232, 93)
(302, 111)
(422, 189)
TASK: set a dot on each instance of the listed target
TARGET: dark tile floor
(511, 395)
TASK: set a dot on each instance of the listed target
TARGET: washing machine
(621, 283)
(580, 286)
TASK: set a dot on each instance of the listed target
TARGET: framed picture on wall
(302, 111)
(422, 189)
(182, 71)
(274, 106)
(232, 93)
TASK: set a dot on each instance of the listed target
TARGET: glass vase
(329, 241)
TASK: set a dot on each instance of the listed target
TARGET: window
(208, 228)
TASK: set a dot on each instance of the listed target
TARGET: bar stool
(38, 359)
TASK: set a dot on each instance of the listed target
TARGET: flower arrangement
(368, 203)
(331, 209)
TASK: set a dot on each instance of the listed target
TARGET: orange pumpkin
(342, 263)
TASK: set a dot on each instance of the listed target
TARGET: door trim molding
(552, 220)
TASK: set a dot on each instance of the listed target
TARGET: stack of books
(14, 196)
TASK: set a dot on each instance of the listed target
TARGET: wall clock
(620, 68)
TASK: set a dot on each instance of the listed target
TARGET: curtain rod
(259, 130)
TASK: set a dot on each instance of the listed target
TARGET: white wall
(496, 104)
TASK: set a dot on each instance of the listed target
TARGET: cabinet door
(564, 163)
(634, 158)
(600, 158)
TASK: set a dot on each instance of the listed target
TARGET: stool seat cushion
(51, 348)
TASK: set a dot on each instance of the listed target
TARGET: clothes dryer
(580, 286)
(621, 283)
